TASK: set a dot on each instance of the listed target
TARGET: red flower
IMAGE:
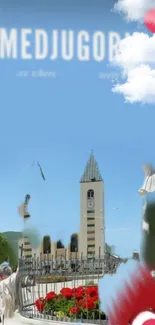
(67, 292)
(40, 304)
(74, 310)
(80, 302)
(78, 292)
(95, 299)
(88, 303)
(50, 296)
(85, 298)
(135, 298)
(92, 291)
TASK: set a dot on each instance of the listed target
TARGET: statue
(8, 292)
(149, 181)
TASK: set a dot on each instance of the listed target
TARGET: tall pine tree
(148, 244)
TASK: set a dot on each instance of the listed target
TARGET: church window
(91, 253)
(90, 232)
(90, 194)
(91, 211)
(91, 225)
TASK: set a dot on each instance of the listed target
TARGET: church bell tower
(92, 232)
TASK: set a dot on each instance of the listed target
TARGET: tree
(60, 244)
(6, 251)
(47, 245)
(148, 236)
(74, 243)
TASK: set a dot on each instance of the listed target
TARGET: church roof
(91, 172)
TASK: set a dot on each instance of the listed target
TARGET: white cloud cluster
(134, 10)
(136, 57)
(136, 49)
(139, 86)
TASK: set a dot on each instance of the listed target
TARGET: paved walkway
(19, 320)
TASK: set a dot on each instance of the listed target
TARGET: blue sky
(58, 122)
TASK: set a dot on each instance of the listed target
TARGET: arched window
(74, 243)
(60, 244)
(90, 194)
(47, 245)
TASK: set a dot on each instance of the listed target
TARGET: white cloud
(139, 86)
(136, 49)
(136, 59)
(134, 10)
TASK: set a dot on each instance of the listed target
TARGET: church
(90, 240)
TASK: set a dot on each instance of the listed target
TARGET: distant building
(90, 240)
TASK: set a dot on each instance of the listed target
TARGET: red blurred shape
(134, 299)
(149, 20)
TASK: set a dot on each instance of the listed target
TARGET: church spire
(91, 172)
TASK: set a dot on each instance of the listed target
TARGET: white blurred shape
(143, 317)
(34, 236)
(149, 181)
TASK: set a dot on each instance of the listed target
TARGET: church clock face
(90, 203)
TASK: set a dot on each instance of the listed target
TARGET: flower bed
(80, 302)
(51, 279)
